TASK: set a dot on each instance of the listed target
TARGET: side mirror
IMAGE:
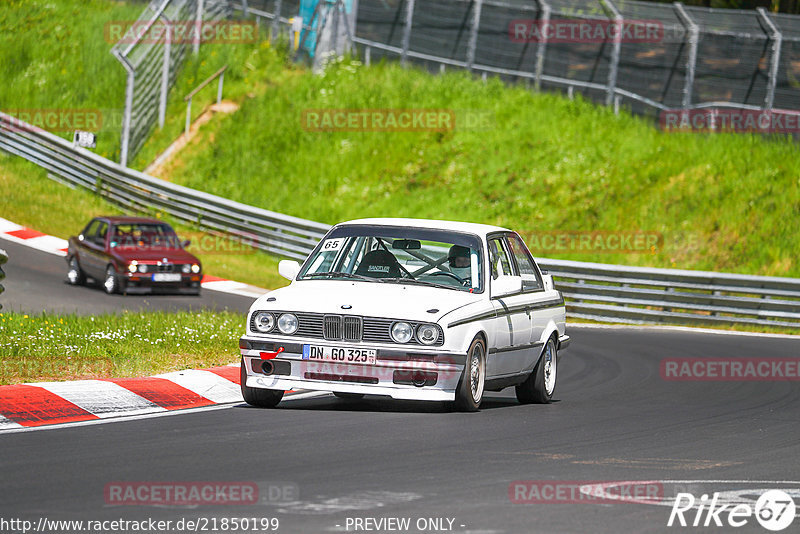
(185, 243)
(288, 269)
(506, 285)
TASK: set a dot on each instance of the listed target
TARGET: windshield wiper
(417, 281)
(343, 275)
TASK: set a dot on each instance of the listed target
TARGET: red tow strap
(270, 355)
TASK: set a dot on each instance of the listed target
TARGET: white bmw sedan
(411, 309)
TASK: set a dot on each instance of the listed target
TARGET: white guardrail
(593, 290)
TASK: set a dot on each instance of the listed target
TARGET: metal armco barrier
(593, 290)
(626, 294)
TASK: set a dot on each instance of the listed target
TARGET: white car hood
(371, 299)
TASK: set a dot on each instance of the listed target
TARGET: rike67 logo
(774, 510)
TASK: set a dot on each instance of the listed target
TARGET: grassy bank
(543, 164)
(56, 56)
(69, 347)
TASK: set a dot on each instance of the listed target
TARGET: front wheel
(540, 385)
(261, 398)
(111, 281)
(470, 388)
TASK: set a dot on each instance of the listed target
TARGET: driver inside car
(458, 260)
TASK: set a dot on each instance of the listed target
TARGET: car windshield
(146, 235)
(383, 254)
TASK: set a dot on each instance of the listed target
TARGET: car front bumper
(143, 283)
(411, 373)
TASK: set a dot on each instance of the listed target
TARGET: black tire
(469, 392)
(259, 397)
(75, 275)
(350, 396)
(111, 283)
(539, 387)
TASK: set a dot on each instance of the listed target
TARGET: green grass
(56, 55)
(721, 202)
(31, 199)
(68, 347)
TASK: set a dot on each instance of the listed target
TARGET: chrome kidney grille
(351, 328)
(338, 328)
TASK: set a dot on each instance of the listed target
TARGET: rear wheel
(470, 388)
(75, 275)
(262, 398)
(540, 385)
(351, 396)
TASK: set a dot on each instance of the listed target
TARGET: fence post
(126, 118)
(335, 31)
(614, 65)
(774, 63)
(162, 102)
(407, 31)
(541, 48)
(198, 29)
(245, 9)
(691, 62)
(473, 36)
(275, 31)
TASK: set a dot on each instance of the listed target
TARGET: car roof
(456, 226)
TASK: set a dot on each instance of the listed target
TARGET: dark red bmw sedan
(133, 255)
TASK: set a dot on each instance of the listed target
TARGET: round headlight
(287, 323)
(186, 268)
(132, 266)
(195, 268)
(427, 334)
(402, 332)
(264, 322)
(142, 268)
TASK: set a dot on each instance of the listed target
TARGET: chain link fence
(651, 57)
(152, 50)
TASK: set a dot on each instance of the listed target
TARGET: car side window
(498, 259)
(100, 237)
(91, 229)
(527, 270)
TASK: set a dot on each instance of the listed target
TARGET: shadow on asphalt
(379, 404)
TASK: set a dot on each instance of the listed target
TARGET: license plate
(166, 277)
(322, 353)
